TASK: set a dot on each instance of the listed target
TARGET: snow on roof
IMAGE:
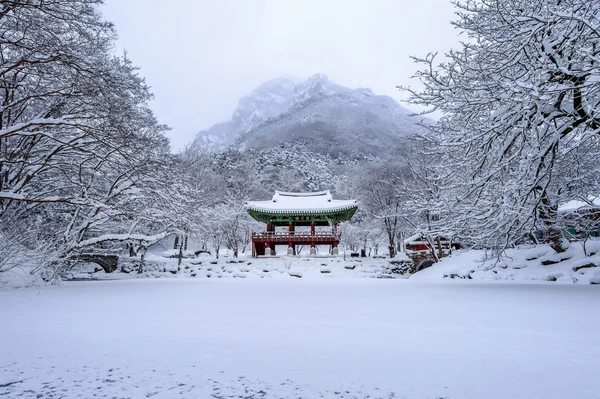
(413, 238)
(284, 202)
(593, 202)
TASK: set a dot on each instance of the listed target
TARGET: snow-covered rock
(174, 253)
(525, 264)
(317, 85)
(266, 101)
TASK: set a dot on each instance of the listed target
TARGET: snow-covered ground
(526, 263)
(207, 267)
(300, 338)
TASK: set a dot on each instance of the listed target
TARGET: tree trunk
(441, 251)
(392, 252)
(556, 241)
(548, 215)
(142, 256)
(534, 239)
(391, 244)
(432, 247)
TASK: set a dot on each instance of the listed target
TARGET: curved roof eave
(287, 211)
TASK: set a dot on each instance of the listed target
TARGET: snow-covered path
(330, 338)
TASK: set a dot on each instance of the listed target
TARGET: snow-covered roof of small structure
(283, 202)
(571, 206)
(413, 238)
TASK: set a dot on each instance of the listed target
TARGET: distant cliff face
(268, 100)
(325, 117)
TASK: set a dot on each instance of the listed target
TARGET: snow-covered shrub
(402, 266)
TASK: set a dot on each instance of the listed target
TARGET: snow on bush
(22, 277)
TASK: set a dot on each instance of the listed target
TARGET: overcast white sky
(201, 56)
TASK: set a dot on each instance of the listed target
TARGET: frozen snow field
(300, 338)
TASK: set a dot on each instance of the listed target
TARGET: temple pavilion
(288, 217)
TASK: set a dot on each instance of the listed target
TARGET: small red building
(287, 211)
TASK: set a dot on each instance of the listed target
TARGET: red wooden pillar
(291, 240)
(268, 243)
(313, 249)
(334, 246)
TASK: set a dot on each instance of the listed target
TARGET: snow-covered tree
(379, 201)
(78, 143)
(520, 126)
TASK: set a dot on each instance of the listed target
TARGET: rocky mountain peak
(266, 101)
(316, 85)
(328, 117)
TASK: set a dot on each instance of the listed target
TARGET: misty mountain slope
(268, 100)
(217, 136)
(359, 123)
(325, 117)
